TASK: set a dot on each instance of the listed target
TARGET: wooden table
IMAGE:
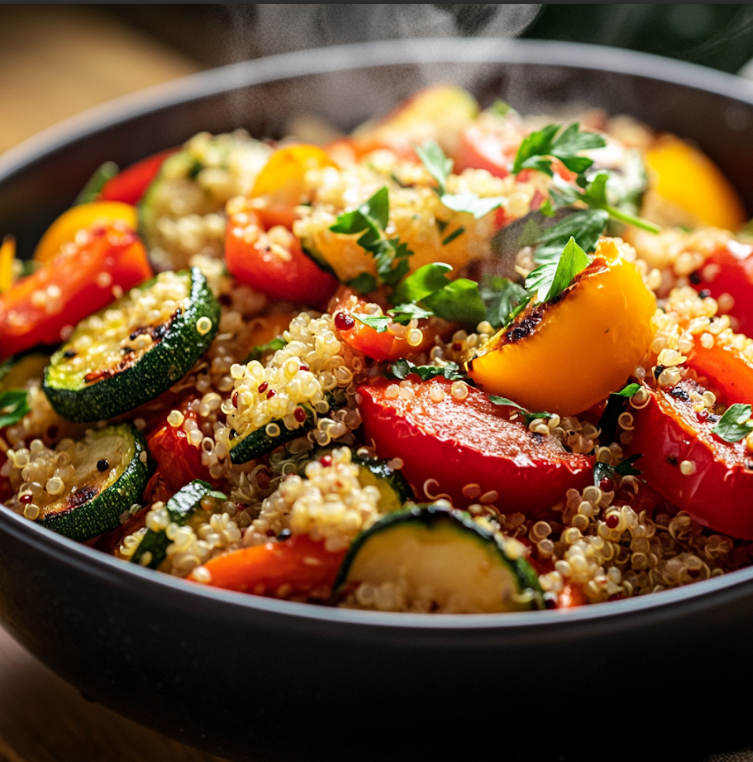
(56, 61)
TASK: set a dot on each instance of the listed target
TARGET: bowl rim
(329, 60)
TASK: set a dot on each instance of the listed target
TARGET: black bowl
(250, 677)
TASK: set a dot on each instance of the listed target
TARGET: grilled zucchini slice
(245, 447)
(135, 349)
(181, 507)
(393, 486)
(111, 469)
(439, 559)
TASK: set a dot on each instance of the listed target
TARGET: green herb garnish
(14, 405)
(614, 409)
(371, 220)
(403, 368)
(550, 280)
(536, 150)
(501, 296)
(527, 416)
(96, 182)
(623, 468)
(439, 166)
(735, 424)
(271, 346)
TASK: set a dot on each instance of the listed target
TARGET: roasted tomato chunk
(689, 465)
(469, 449)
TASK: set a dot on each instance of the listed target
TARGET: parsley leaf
(470, 203)
(527, 416)
(459, 301)
(439, 166)
(271, 346)
(403, 368)
(501, 296)
(550, 280)
(371, 220)
(539, 145)
(615, 406)
(365, 283)
(536, 152)
(404, 313)
(623, 468)
(378, 322)
(735, 424)
(452, 236)
(423, 282)
(501, 108)
(14, 405)
(586, 226)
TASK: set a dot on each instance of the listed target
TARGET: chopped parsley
(537, 149)
(735, 424)
(527, 416)
(614, 409)
(371, 220)
(403, 368)
(439, 166)
(272, 346)
(549, 280)
(501, 297)
(623, 468)
(14, 405)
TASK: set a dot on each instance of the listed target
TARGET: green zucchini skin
(102, 512)
(258, 443)
(391, 477)
(180, 507)
(163, 365)
(435, 517)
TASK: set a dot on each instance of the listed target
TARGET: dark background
(718, 36)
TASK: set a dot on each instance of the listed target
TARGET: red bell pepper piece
(71, 286)
(130, 185)
(729, 270)
(716, 488)
(296, 566)
(288, 275)
(470, 449)
(178, 461)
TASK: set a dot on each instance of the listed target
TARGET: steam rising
(266, 29)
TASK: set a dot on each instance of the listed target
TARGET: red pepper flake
(300, 414)
(326, 461)
(26, 498)
(606, 484)
(270, 394)
(263, 387)
(613, 521)
(343, 321)
(457, 346)
(303, 367)
(234, 399)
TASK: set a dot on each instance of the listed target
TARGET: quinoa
(611, 540)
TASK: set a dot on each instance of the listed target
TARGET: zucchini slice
(260, 442)
(393, 486)
(135, 349)
(180, 508)
(441, 560)
(111, 469)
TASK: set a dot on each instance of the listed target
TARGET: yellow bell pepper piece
(282, 179)
(7, 255)
(566, 355)
(83, 217)
(686, 177)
